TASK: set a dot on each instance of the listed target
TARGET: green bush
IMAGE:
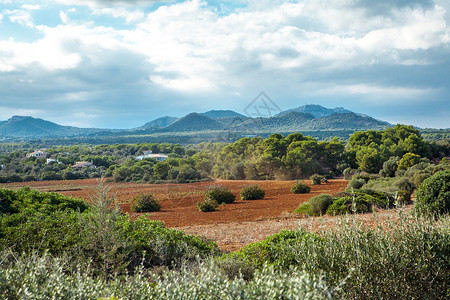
(408, 261)
(220, 194)
(319, 204)
(303, 209)
(356, 183)
(207, 205)
(143, 203)
(433, 195)
(300, 187)
(403, 197)
(316, 179)
(252, 192)
(357, 204)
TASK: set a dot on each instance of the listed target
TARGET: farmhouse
(84, 164)
(158, 157)
(37, 154)
(50, 160)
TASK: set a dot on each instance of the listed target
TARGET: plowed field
(233, 225)
(178, 200)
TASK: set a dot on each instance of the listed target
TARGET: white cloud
(21, 17)
(191, 47)
(31, 6)
(127, 15)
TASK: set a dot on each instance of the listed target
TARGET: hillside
(159, 123)
(26, 126)
(193, 122)
(346, 121)
(317, 111)
(216, 114)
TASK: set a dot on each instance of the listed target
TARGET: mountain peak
(316, 110)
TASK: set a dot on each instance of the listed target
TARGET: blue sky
(119, 64)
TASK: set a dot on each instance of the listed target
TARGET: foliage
(408, 160)
(145, 203)
(252, 192)
(316, 179)
(220, 194)
(348, 204)
(433, 195)
(319, 204)
(395, 260)
(356, 183)
(47, 277)
(26, 199)
(300, 187)
(207, 205)
(303, 209)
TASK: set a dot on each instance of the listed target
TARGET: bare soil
(231, 226)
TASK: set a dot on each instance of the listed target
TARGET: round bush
(356, 183)
(300, 187)
(220, 194)
(348, 204)
(319, 204)
(433, 195)
(316, 179)
(252, 192)
(207, 205)
(145, 203)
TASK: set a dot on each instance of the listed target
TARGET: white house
(49, 160)
(158, 157)
(37, 154)
(84, 164)
(147, 152)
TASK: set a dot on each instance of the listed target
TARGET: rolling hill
(200, 125)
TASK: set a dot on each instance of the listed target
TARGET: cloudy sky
(119, 64)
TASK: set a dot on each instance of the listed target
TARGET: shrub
(220, 194)
(145, 203)
(433, 195)
(300, 187)
(207, 205)
(303, 209)
(316, 179)
(252, 192)
(403, 197)
(349, 204)
(319, 204)
(356, 183)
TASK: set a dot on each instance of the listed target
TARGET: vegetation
(408, 259)
(145, 203)
(252, 192)
(316, 179)
(207, 205)
(300, 187)
(319, 204)
(220, 194)
(433, 195)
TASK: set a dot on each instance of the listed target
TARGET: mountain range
(303, 118)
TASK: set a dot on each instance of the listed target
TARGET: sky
(120, 64)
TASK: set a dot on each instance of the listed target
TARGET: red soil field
(232, 226)
(178, 200)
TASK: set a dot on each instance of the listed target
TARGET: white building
(84, 164)
(37, 154)
(158, 157)
(49, 160)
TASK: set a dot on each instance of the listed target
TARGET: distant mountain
(193, 122)
(317, 111)
(345, 121)
(159, 123)
(26, 126)
(215, 114)
(311, 118)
